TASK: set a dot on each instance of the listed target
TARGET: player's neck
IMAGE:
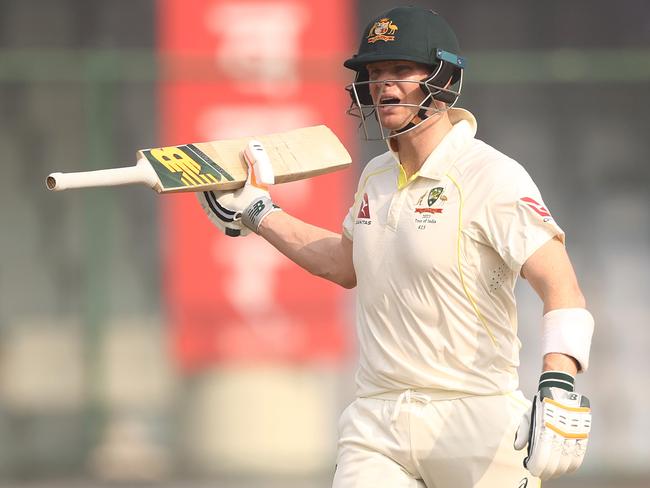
(415, 146)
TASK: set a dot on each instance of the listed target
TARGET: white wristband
(568, 331)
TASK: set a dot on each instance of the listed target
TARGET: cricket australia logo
(426, 208)
(382, 30)
(363, 217)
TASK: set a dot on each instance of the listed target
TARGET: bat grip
(141, 173)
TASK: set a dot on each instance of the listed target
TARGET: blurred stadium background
(136, 346)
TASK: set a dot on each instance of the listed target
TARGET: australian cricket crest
(382, 30)
(428, 206)
(434, 194)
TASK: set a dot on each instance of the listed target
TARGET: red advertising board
(232, 68)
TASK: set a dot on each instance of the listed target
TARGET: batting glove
(556, 428)
(237, 212)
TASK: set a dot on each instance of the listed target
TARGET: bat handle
(141, 173)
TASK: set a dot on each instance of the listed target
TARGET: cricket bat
(218, 165)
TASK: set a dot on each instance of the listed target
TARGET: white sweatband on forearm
(568, 331)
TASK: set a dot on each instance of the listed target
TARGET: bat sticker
(186, 165)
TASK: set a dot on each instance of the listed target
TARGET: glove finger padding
(558, 432)
(221, 209)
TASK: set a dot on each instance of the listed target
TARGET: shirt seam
(477, 312)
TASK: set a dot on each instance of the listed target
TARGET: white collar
(445, 154)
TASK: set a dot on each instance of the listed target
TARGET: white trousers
(414, 441)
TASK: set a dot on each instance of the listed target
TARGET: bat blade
(219, 165)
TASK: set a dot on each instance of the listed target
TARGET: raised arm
(237, 213)
(319, 251)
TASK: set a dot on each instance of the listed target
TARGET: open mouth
(389, 101)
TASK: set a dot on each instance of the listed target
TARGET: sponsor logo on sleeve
(363, 217)
(538, 208)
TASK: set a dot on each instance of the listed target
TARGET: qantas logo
(364, 209)
(541, 210)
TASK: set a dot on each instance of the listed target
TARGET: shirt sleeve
(348, 222)
(516, 221)
(351, 217)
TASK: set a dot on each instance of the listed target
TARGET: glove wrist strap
(556, 379)
(257, 211)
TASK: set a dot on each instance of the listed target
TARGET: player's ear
(444, 75)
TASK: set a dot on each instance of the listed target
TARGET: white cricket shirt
(436, 259)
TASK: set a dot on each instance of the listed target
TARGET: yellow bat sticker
(186, 165)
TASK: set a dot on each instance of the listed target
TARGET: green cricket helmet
(410, 34)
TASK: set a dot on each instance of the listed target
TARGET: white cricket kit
(436, 258)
